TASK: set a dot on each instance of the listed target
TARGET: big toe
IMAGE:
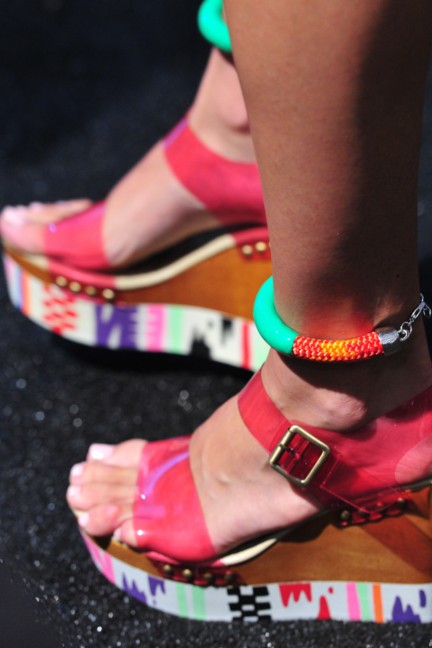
(23, 227)
(45, 213)
(162, 541)
(25, 236)
(139, 537)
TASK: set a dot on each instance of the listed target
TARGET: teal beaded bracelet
(277, 334)
(270, 326)
(212, 25)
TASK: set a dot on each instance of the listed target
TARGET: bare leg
(149, 209)
(334, 91)
(338, 145)
(337, 131)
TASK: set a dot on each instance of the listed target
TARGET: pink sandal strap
(355, 468)
(167, 504)
(229, 190)
(227, 183)
(337, 469)
(78, 238)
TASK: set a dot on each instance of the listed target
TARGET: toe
(98, 472)
(87, 496)
(104, 519)
(22, 234)
(124, 455)
(144, 534)
(127, 533)
(23, 227)
(45, 213)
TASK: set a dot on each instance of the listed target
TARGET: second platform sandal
(366, 556)
(181, 300)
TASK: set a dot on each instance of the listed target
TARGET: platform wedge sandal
(366, 556)
(183, 300)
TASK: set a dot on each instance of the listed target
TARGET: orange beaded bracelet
(381, 341)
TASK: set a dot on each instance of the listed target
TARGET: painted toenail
(36, 206)
(100, 451)
(77, 470)
(83, 519)
(73, 491)
(14, 215)
(117, 535)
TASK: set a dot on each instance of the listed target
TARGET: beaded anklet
(212, 25)
(381, 341)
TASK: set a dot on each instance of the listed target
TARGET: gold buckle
(283, 446)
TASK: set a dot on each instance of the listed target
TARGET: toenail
(83, 519)
(77, 470)
(100, 451)
(14, 215)
(117, 535)
(73, 491)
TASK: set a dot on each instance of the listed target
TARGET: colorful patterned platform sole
(379, 571)
(337, 600)
(147, 322)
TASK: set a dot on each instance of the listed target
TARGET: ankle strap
(322, 464)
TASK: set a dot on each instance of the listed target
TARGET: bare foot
(232, 477)
(241, 496)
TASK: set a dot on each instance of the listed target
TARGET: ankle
(218, 114)
(311, 393)
(342, 396)
(224, 131)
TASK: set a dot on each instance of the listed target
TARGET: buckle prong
(284, 446)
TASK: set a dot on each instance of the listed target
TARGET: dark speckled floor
(86, 88)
